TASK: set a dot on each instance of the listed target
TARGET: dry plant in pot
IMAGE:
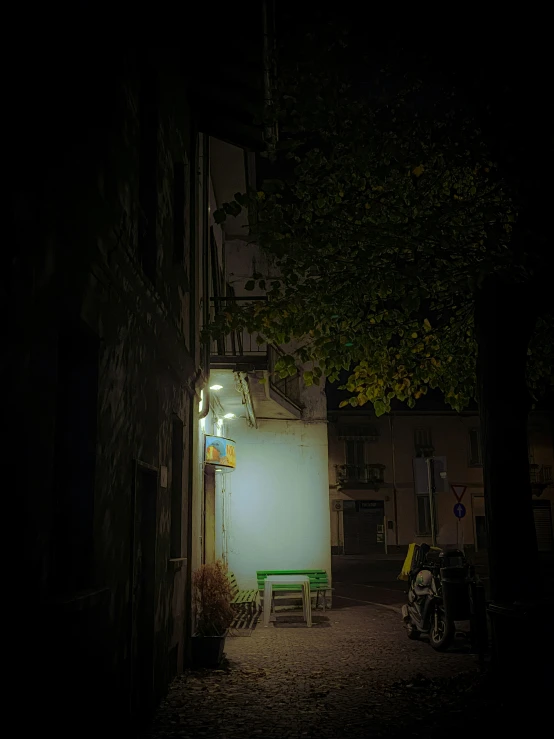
(214, 614)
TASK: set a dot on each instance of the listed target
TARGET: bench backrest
(233, 583)
(318, 578)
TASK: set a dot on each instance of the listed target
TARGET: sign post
(432, 489)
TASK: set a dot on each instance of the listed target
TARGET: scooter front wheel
(442, 631)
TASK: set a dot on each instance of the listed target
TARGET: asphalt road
(361, 580)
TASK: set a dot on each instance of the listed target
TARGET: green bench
(319, 582)
(242, 600)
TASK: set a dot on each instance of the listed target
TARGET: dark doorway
(76, 423)
(143, 589)
(363, 522)
(481, 532)
(542, 513)
(177, 449)
(209, 515)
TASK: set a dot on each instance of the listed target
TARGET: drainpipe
(205, 403)
(205, 263)
(394, 494)
(206, 249)
(268, 20)
(432, 491)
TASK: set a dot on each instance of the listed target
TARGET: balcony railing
(240, 348)
(368, 474)
(540, 474)
(237, 347)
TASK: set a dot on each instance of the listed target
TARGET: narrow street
(359, 580)
(355, 671)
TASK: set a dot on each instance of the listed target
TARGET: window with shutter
(423, 442)
(475, 457)
(423, 505)
(355, 459)
(423, 515)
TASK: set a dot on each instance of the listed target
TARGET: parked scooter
(439, 587)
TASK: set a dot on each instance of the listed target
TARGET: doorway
(479, 522)
(363, 524)
(480, 533)
(143, 577)
(209, 515)
(542, 513)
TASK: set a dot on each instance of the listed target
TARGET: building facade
(269, 511)
(106, 285)
(417, 476)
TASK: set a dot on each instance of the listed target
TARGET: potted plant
(214, 614)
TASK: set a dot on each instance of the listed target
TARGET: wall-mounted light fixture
(216, 387)
(229, 415)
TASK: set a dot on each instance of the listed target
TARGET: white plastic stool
(303, 580)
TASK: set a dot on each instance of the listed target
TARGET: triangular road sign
(459, 491)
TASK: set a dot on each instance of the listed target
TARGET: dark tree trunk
(505, 318)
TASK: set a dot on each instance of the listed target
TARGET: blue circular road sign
(459, 510)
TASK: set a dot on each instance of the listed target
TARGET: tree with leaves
(394, 235)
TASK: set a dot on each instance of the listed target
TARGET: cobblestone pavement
(355, 673)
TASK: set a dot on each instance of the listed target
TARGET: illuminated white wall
(272, 512)
(276, 501)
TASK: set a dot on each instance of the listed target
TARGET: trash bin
(455, 592)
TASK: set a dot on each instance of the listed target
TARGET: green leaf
(379, 408)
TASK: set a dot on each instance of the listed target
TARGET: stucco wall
(450, 435)
(277, 499)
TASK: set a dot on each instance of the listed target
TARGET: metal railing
(540, 474)
(243, 344)
(368, 473)
(237, 343)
